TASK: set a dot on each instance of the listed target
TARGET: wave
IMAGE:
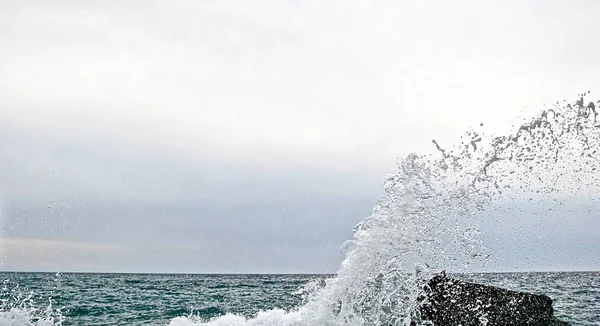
(426, 219)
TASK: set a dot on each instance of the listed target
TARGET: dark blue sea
(159, 299)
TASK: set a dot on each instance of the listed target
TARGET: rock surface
(450, 302)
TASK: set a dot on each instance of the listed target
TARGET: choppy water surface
(146, 299)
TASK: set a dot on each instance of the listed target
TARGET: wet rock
(449, 302)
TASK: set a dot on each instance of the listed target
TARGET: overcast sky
(250, 136)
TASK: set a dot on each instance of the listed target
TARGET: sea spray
(18, 308)
(426, 220)
(421, 225)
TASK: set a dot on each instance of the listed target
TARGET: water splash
(425, 221)
(18, 308)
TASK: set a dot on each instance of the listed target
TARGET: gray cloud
(150, 205)
(228, 136)
(543, 235)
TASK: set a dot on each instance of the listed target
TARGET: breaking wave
(426, 221)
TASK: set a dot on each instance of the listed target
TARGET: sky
(251, 136)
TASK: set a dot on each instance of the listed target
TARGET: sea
(427, 220)
(161, 299)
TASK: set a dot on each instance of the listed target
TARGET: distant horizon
(325, 274)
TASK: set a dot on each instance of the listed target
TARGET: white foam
(26, 317)
(276, 317)
(425, 221)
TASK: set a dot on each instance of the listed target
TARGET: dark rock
(450, 302)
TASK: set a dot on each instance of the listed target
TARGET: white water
(19, 310)
(425, 221)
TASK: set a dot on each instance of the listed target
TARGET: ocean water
(157, 299)
(148, 299)
(427, 220)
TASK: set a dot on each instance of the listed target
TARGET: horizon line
(267, 274)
